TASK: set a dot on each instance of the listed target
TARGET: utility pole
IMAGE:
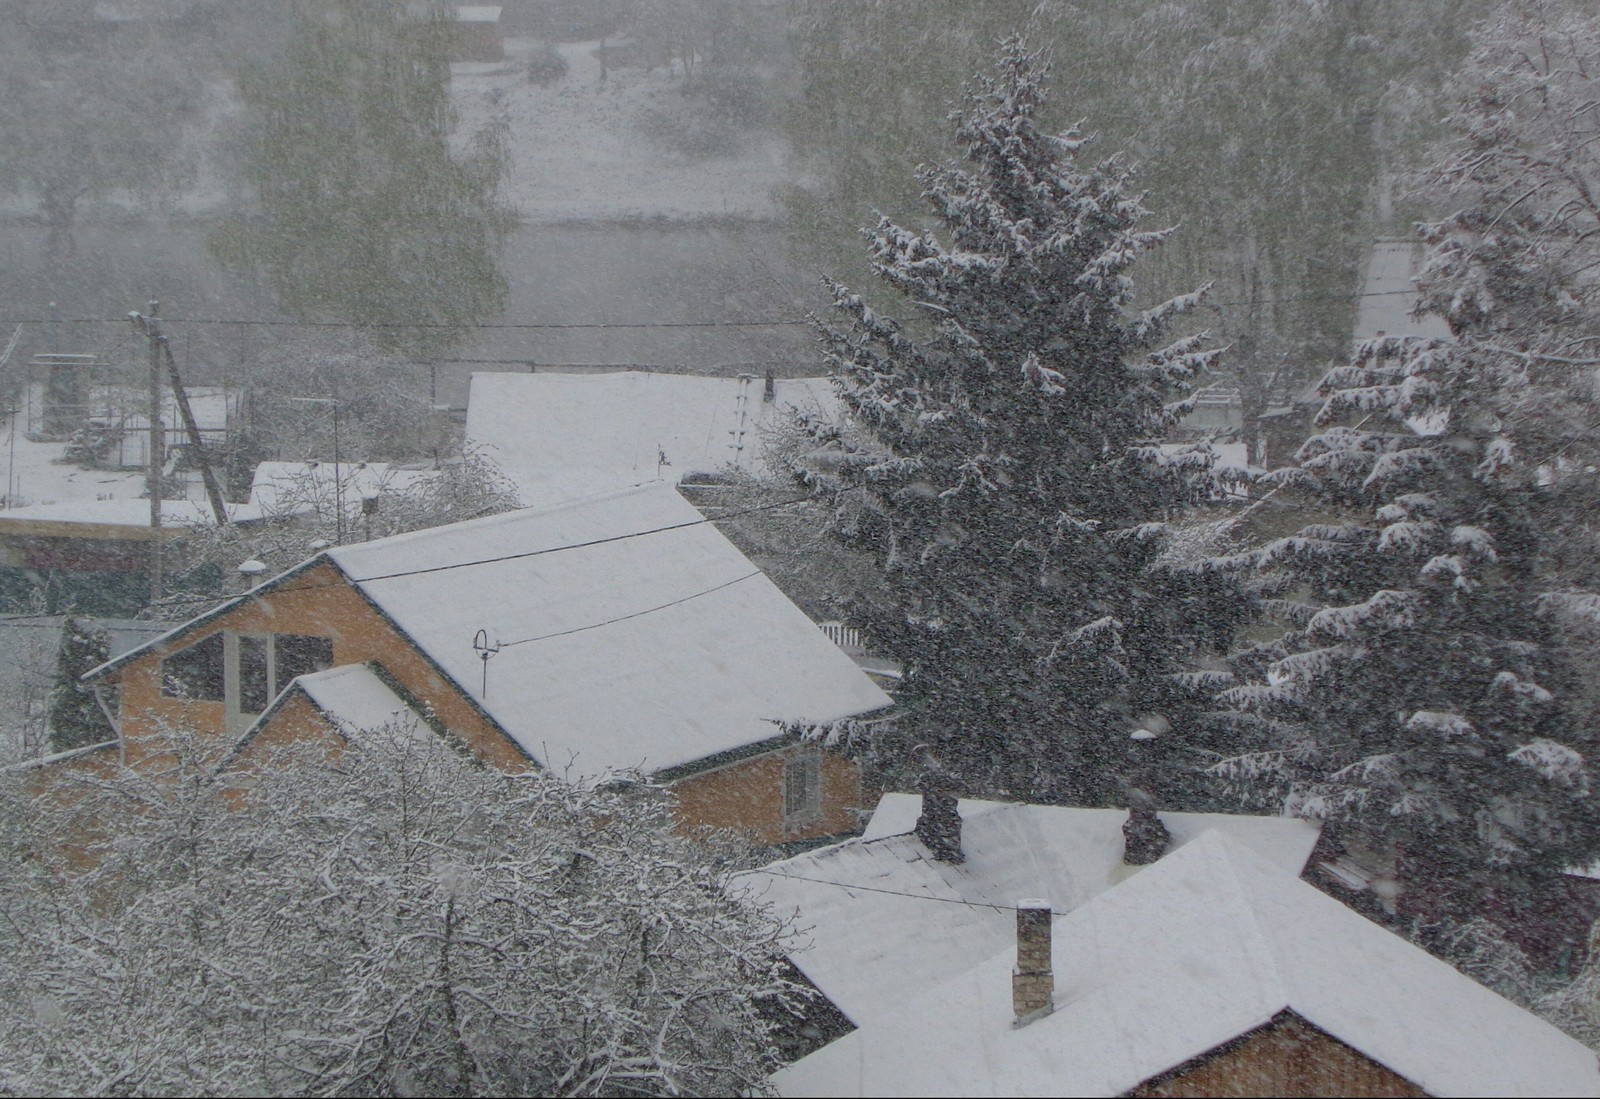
(149, 326)
(11, 461)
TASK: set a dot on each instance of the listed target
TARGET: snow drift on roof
(279, 487)
(1207, 944)
(126, 512)
(355, 699)
(564, 436)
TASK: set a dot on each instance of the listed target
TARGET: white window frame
(236, 720)
(803, 769)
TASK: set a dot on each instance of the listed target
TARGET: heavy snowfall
(787, 547)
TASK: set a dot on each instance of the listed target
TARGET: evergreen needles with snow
(76, 719)
(1427, 690)
(1003, 461)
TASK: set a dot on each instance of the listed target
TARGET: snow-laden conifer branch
(1017, 486)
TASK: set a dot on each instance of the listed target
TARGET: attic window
(264, 664)
(195, 673)
(802, 788)
(301, 655)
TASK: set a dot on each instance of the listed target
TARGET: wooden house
(623, 633)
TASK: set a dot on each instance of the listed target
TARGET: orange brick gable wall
(294, 723)
(745, 796)
(1288, 1056)
(319, 603)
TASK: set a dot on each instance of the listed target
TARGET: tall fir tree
(76, 719)
(1427, 690)
(1002, 461)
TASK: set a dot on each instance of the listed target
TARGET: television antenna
(482, 646)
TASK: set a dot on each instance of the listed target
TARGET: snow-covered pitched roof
(1387, 295)
(355, 699)
(564, 436)
(125, 512)
(631, 632)
(279, 487)
(872, 948)
(1209, 943)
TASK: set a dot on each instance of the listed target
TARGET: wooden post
(149, 326)
(219, 507)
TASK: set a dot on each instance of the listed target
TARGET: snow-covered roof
(126, 634)
(354, 698)
(1387, 295)
(283, 487)
(564, 436)
(1207, 944)
(631, 632)
(873, 948)
(125, 512)
(122, 634)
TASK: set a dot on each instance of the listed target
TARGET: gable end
(1284, 1056)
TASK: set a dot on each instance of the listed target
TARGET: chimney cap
(252, 567)
(1034, 902)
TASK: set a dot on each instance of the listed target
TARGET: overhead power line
(490, 326)
(890, 892)
(475, 562)
(482, 326)
(635, 614)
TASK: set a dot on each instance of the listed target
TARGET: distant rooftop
(565, 436)
(1388, 296)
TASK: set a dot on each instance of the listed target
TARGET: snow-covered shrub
(393, 919)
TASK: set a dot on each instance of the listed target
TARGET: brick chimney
(1144, 838)
(769, 392)
(939, 824)
(1033, 983)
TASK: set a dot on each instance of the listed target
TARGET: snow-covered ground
(586, 150)
(37, 475)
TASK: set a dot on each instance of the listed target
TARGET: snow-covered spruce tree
(1002, 460)
(76, 719)
(1426, 690)
(395, 919)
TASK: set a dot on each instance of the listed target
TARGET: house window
(802, 788)
(196, 673)
(261, 665)
(255, 673)
(298, 655)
